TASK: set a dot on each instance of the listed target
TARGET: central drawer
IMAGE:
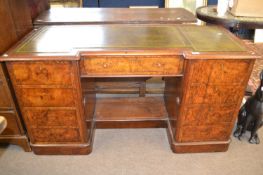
(131, 65)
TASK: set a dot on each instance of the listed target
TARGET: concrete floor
(137, 152)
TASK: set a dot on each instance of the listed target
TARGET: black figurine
(250, 115)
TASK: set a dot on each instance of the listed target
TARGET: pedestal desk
(206, 70)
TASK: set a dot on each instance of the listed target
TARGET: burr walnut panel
(43, 117)
(199, 133)
(219, 72)
(36, 73)
(205, 114)
(203, 94)
(55, 135)
(229, 72)
(46, 97)
(213, 91)
(136, 65)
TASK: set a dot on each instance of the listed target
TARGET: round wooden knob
(3, 124)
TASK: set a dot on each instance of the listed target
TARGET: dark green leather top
(63, 39)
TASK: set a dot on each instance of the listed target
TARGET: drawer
(206, 114)
(215, 94)
(220, 72)
(46, 97)
(101, 66)
(12, 125)
(5, 101)
(51, 117)
(159, 66)
(98, 66)
(230, 72)
(41, 73)
(55, 135)
(219, 132)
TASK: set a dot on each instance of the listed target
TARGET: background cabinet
(16, 22)
(122, 3)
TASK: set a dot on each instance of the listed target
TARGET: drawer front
(213, 94)
(55, 135)
(219, 132)
(208, 115)
(162, 66)
(51, 117)
(97, 66)
(102, 66)
(40, 73)
(12, 126)
(220, 72)
(46, 97)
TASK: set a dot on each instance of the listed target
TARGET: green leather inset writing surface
(138, 37)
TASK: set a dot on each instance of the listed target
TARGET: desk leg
(203, 105)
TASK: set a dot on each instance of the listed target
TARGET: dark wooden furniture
(67, 16)
(16, 22)
(206, 70)
(122, 3)
(37, 6)
(209, 15)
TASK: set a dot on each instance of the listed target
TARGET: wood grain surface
(114, 16)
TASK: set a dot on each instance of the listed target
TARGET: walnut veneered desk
(77, 16)
(206, 71)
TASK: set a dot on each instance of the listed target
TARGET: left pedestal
(50, 98)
